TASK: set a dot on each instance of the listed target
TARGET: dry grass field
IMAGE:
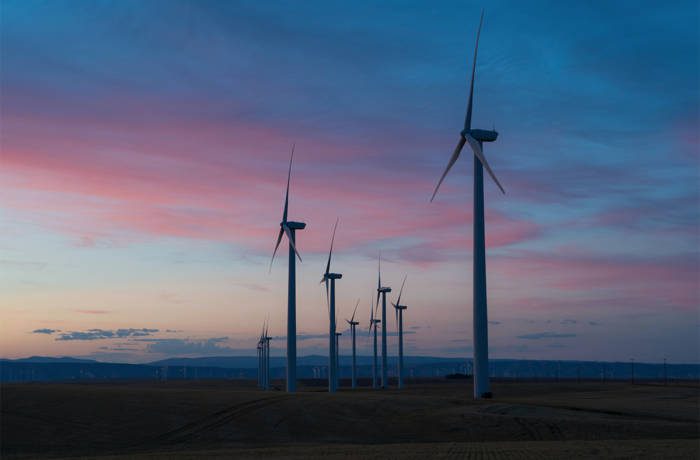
(223, 419)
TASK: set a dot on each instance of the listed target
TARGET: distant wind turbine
(289, 228)
(266, 347)
(261, 358)
(383, 291)
(373, 325)
(352, 324)
(476, 138)
(398, 308)
(329, 279)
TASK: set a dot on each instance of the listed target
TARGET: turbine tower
(398, 309)
(373, 324)
(352, 324)
(337, 358)
(383, 291)
(476, 138)
(260, 366)
(329, 279)
(289, 228)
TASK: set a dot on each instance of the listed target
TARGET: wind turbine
(352, 324)
(266, 347)
(329, 278)
(289, 228)
(382, 291)
(373, 324)
(476, 138)
(398, 308)
(261, 358)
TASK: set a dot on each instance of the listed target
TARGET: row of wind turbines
(475, 138)
(329, 278)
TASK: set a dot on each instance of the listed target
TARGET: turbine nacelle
(481, 135)
(293, 225)
(384, 289)
(331, 276)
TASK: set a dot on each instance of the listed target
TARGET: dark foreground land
(226, 419)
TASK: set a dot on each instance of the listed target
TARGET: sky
(144, 148)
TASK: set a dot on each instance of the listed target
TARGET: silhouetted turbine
(398, 309)
(289, 228)
(476, 138)
(373, 325)
(382, 291)
(352, 324)
(329, 279)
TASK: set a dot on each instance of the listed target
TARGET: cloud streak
(101, 334)
(44, 331)
(546, 335)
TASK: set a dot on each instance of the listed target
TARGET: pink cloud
(180, 180)
(594, 279)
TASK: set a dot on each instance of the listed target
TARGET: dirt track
(223, 419)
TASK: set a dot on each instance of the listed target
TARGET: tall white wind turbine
(398, 308)
(476, 138)
(352, 324)
(289, 228)
(383, 291)
(329, 279)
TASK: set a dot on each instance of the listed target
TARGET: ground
(225, 419)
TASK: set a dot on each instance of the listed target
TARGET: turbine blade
(328, 265)
(452, 161)
(476, 148)
(291, 240)
(398, 301)
(468, 117)
(279, 239)
(286, 196)
(328, 299)
(379, 279)
(355, 310)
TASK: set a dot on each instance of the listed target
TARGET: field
(225, 419)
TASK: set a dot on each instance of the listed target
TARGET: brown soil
(224, 419)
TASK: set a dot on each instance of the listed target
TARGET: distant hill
(230, 362)
(251, 362)
(50, 359)
(42, 369)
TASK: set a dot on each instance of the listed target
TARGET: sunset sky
(145, 145)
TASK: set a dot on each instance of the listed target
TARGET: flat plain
(439, 419)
